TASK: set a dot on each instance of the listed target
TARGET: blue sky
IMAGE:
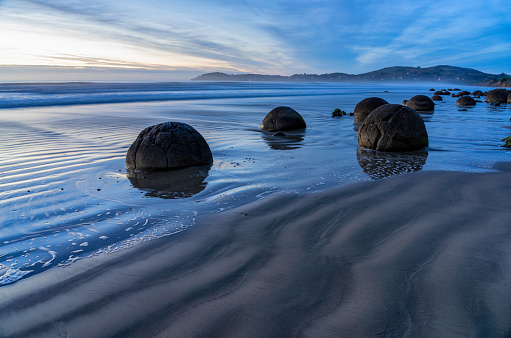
(178, 39)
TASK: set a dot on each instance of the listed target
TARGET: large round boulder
(282, 119)
(465, 100)
(498, 94)
(166, 146)
(421, 103)
(366, 106)
(392, 127)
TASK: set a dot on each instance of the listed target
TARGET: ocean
(65, 195)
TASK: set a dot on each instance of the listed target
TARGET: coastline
(419, 254)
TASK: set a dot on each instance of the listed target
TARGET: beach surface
(420, 254)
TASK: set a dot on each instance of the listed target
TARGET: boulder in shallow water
(421, 103)
(282, 119)
(392, 127)
(465, 100)
(498, 94)
(366, 106)
(166, 146)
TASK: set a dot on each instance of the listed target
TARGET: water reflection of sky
(65, 194)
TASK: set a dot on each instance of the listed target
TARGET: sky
(160, 40)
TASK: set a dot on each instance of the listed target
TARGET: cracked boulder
(282, 119)
(421, 103)
(392, 127)
(167, 146)
(366, 106)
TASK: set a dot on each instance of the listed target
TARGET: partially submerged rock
(465, 101)
(166, 146)
(338, 112)
(366, 106)
(282, 119)
(421, 103)
(392, 127)
(498, 94)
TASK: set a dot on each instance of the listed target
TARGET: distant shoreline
(440, 74)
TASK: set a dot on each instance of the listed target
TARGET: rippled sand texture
(424, 254)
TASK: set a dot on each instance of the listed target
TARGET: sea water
(64, 190)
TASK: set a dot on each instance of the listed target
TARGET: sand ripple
(417, 255)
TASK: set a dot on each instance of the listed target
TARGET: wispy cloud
(277, 36)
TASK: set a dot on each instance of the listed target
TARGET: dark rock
(477, 93)
(282, 118)
(436, 98)
(338, 112)
(498, 94)
(392, 127)
(464, 92)
(366, 106)
(166, 146)
(465, 101)
(421, 103)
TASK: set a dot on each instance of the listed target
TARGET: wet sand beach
(301, 235)
(421, 254)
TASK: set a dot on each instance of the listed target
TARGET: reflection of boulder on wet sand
(288, 141)
(379, 164)
(180, 183)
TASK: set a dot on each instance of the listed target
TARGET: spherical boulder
(392, 127)
(366, 106)
(465, 100)
(166, 146)
(436, 98)
(421, 103)
(282, 119)
(498, 94)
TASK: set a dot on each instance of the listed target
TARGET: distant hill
(442, 73)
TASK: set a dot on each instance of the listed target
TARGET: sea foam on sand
(421, 254)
